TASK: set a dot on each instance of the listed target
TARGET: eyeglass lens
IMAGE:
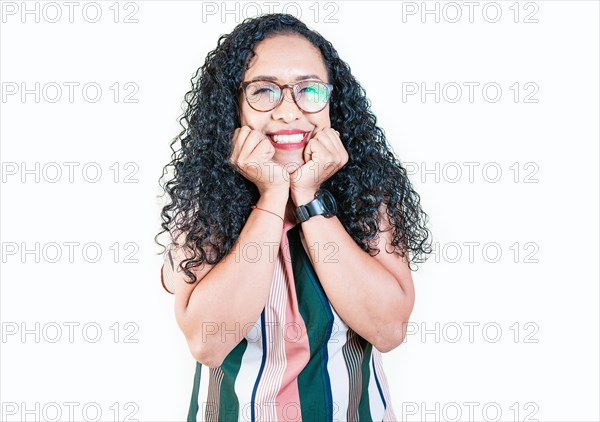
(310, 96)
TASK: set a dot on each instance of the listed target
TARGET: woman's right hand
(252, 156)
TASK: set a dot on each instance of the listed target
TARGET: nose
(287, 110)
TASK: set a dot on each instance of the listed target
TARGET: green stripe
(313, 382)
(229, 404)
(193, 410)
(364, 408)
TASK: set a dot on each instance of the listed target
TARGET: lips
(288, 146)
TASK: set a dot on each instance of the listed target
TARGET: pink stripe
(297, 347)
(389, 410)
(275, 349)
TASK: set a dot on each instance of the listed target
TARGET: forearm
(228, 301)
(362, 291)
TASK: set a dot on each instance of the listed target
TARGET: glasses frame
(293, 87)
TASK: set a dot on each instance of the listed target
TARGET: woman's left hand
(324, 155)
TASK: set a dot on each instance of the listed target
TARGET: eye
(259, 88)
(257, 91)
(315, 92)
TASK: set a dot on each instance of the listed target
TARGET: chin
(286, 159)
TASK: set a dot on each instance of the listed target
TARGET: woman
(283, 194)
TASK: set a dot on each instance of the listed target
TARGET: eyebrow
(274, 79)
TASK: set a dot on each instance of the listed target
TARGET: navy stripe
(262, 364)
(377, 382)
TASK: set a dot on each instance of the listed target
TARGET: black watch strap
(323, 204)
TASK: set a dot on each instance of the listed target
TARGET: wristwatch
(323, 204)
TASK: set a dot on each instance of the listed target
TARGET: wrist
(276, 193)
(274, 199)
(302, 196)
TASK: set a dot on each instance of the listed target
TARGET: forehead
(287, 58)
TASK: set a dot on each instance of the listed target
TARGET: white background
(548, 372)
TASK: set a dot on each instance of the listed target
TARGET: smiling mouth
(296, 138)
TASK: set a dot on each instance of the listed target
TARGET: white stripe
(200, 400)
(249, 368)
(337, 369)
(389, 411)
(375, 400)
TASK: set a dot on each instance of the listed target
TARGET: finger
(245, 137)
(239, 139)
(235, 134)
(232, 141)
(333, 134)
(307, 153)
(323, 143)
(339, 135)
(329, 142)
(233, 156)
(341, 152)
(334, 141)
(254, 144)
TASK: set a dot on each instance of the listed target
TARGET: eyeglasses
(310, 96)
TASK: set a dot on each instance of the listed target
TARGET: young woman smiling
(291, 225)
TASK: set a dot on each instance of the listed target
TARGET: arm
(373, 295)
(230, 295)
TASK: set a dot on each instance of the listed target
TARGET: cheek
(321, 120)
(252, 118)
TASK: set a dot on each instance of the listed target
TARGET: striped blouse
(299, 362)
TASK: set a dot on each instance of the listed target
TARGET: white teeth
(288, 139)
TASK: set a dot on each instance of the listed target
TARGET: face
(287, 59)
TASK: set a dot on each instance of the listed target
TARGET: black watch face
(328, 202)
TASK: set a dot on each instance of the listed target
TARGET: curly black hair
(210, 201)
